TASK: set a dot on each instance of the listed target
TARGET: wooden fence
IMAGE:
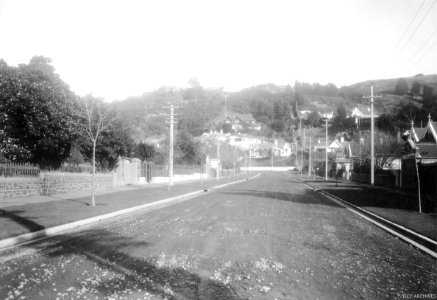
(13, 169)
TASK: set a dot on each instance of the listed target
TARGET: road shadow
(382, 197)
(14, 216)
(110, 251)
(368, 197)
(308, 197)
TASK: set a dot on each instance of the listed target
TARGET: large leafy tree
(36, 109)
(186, 146)
(145, 152)
(114, 143)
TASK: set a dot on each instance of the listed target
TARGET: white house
(244, 142)
(283, 149)
(326, 115)
(363, 112)
(214, 136)
(342, 151)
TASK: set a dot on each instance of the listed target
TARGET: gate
(146, 170)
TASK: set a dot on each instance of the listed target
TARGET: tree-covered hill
(277, 107)
(388, 86)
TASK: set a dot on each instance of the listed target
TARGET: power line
(423, 45)
(418, 26)
(426, 52)
(408, 27)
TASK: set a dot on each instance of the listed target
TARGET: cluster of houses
(419, 151)
(360, 111)
(256, 147)
(418, 157)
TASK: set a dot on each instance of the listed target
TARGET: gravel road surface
(267, 238)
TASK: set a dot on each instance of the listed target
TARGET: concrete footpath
(21, 219)
(396, 205)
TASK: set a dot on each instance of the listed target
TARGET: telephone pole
(372, 133)
(303, 149)
(218, 159)
(309, 162)
(226, 109)
(172, 121)
(326, 152)
(301, 146)
(250, 159)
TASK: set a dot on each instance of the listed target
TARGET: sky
(116, 49)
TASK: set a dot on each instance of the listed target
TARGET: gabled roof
(423, 140)
(420, 133)
(335, 144)
(364, 109)
(429, 135)
(245, 117)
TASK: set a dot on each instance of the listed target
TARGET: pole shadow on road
(108, 251)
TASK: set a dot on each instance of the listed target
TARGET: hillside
(387, 86)
(274, 106)
(350, 96)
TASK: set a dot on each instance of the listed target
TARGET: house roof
(420, 132)
(233, 117)
(423, 140)
(429, 133)
(245, 117)
(427, 150)
(365, 111)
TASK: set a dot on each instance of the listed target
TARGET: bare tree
(386, 147)
(200, 151)
(95, 117)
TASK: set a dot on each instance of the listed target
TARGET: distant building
(238, 122)
(214, 137)
(326, 115)
(303, 114)
(340, 152)
(259, 147)
(244, 142)
(363, 112)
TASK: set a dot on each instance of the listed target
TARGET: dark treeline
(40, 120)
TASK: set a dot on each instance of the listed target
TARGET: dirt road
(268, 238)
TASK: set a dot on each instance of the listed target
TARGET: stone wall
(51, 183)
(19, 187)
